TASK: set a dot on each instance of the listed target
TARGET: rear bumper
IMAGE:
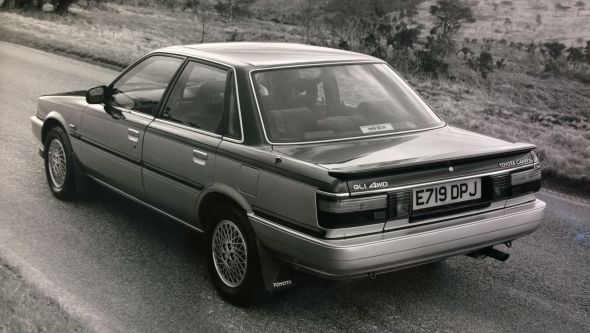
(388, 251)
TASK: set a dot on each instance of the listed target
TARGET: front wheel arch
(52, 119)
(49, 124)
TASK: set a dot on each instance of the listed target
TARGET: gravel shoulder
(23, 308)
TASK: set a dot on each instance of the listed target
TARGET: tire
(238, 284)
(60, 168)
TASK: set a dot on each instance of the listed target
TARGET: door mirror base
(114, 112)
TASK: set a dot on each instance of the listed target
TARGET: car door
(180, 146)
(112, 141)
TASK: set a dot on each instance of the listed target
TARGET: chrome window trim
(357, 62)
(135, 113)
(235, 78)
(203, 60)
(241, 140)
(145, 57)
(415, 92)
(189, 128)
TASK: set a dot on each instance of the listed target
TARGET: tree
(18, 4)
(485, 64)
(204, 8)
(354, 23)
(451, 15)
(576, 56)
(404, 37)
(507, 24)
(554, 50)
(62, 7)
(9, 4)
(232, 8)
(412, 11)
(307, 17)
(580, 5)
(559, 6)
(200, 9)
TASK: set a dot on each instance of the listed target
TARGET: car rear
(418, 190)
(382, 224)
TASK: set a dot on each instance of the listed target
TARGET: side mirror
(96, 95)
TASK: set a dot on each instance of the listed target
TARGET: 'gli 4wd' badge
(370, 186)
(520, 161)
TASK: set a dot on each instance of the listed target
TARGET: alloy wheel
(230, 253)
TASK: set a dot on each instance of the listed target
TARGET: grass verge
(24, 309)
(551, 112)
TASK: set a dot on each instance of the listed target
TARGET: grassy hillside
(518, 102)
(516, 20)
(513, 20)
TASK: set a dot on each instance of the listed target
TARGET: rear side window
(141, 89)
(198, 98)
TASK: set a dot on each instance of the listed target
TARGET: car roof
(268, 54)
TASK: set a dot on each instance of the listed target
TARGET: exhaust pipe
(496, 254)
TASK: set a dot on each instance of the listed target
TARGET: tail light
(352, 212)
(526, 181)
(519, 182)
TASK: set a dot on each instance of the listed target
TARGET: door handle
(133, 135)
(199, 157)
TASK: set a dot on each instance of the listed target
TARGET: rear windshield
(337, 102)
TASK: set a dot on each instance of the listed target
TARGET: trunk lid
(439, 154)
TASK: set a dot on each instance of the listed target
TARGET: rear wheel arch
(236, 274)
(214, 196)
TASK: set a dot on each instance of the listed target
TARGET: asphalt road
(119, 267)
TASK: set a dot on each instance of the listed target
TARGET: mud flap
(276, 275)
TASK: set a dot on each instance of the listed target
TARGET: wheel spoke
(229, 253)
(57, 163)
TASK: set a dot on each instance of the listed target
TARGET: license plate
(446, 193)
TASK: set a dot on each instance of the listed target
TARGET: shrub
(552, 52)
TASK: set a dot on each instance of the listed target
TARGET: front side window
(198, 98)
(141, 89)
(337, 102)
